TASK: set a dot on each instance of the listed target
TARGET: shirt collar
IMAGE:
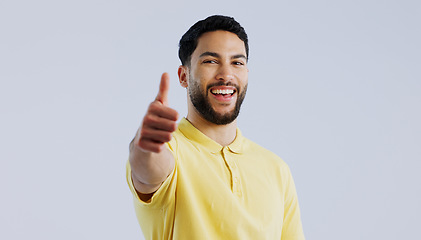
(194, 134)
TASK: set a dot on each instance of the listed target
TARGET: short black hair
(188, 42)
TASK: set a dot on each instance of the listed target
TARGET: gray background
(334, 89)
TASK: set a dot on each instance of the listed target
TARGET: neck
(222, 134)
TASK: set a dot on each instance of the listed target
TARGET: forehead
(221, 42)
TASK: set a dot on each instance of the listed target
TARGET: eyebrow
(214, 54)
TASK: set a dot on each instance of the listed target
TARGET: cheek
(243, 73)
(205, 74)
(244, 79)
(196, 86)
(202, 79)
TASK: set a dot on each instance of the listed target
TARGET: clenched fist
(159, 122)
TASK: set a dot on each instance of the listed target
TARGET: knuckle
(143, 145)
(159, 148)
(154, 106)
(151, 109)
(171, 126)
(143, 132)
(147, 119)
(167, 137)
(174, 115)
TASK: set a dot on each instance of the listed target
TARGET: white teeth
(223, 91)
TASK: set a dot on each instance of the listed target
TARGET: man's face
(218, 76)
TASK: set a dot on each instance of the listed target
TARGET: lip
(223, 88)
(225, 98)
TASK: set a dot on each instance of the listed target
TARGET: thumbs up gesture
(159, 121)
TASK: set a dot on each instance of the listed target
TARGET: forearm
(150, 160)
(149, 169)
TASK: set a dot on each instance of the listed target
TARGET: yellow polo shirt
(241, 191)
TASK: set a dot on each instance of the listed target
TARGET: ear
(183, 73)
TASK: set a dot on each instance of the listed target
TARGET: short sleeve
(292, 227)
(161, 197)
(160, 208)
(165, 193)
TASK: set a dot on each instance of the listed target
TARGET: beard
(199, 99)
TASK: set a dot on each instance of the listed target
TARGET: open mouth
(223, 92)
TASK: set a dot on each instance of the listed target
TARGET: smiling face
(217, 77)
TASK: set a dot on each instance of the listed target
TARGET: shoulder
(262, 160)
(178, 140)
(250, 146)
(263, 154)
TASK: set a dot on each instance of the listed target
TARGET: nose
(225, 73)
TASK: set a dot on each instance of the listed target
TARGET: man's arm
(150, 160)
(292, 226)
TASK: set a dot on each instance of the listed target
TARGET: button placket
(235, 177)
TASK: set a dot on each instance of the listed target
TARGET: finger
(164, 88)
(159, 123)
(155, 135)
(151, 146)
(162, 111)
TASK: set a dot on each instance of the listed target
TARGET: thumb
(164, 88)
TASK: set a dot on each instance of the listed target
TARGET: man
(203, 179)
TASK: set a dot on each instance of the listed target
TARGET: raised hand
(159, 121)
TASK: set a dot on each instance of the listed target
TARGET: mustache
(223, 84)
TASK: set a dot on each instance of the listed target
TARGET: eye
(238, 63)
(210, 61)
